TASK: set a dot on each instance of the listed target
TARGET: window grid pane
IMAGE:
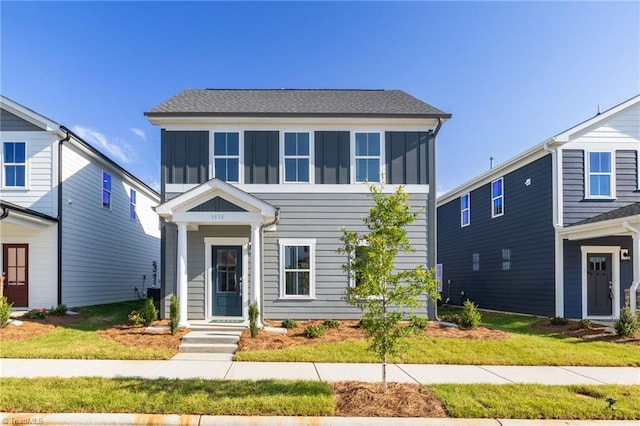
(297, 270)
(296, 157)
(226, 156)
(106, 190)
(600, 174)
(367, 153)
(497, 197)
(15, 164)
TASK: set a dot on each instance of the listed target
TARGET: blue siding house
(553, 231)
(256, 184)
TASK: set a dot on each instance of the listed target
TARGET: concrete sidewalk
(189, 368)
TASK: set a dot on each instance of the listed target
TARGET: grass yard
(308, 398)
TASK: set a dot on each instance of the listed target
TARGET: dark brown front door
(15, 269)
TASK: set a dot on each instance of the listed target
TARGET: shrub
(135, 318)
(584, 323)
(417, 323)
(148, 313)
(5, 311)
(364, 324)
(559, 321)
(174, 313)
(60, 310)
(314, 331)
(253, 319)
(627, 325)
(289, 323)
(452, 318)
(40, 313)
(331, 323)
(470, 317)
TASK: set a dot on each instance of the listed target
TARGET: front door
(599, 285)
(15, 270)
(227, 280)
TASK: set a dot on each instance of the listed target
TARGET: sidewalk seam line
(410, 376)
(317, 372)
(582, 375)
(495, 374)
(227, 372)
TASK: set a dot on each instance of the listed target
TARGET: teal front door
(227, 280)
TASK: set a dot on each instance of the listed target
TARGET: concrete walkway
(187, 366)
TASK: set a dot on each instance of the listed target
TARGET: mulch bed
(593, 332)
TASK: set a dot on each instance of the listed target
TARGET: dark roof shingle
(630, 210)
(295, 102)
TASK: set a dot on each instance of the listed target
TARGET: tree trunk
(384, 375)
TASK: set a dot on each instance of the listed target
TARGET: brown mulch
(33, 328)
(593, 332)
(138, 335)
(359, 399)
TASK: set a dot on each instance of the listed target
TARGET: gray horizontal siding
(10, 122)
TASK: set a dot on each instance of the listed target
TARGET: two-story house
(75, 228)
(553, 231)
(256, 185)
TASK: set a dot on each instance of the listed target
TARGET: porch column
(255, 267)
(636, 267)
(182, 275)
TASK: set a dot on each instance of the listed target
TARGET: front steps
(221, 341)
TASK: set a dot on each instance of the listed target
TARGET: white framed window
(132, 204)
(297, 268)
(475, 262)
(506, 259)
(367, 157)
(497, 197)
(14, 170)
(226, 156)
(106, 190)
(600, 176)
(359, 255)
(297, 157)
(465, 210)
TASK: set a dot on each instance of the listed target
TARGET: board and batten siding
(105, 254)
(576, 205)
(525, 229)
(184, 157)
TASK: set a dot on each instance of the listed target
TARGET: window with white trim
(506, 259)
(497, 197)
(297, 269)
(106, 190)
(475, 262)
(132, 204)
(367, 157)
(296, 157)
(465, 210)
(15, 164)
(358, 257)
(226, 156)
(600, 177)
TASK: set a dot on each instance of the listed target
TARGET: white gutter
(633, 291)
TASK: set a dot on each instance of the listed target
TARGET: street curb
(126, 419)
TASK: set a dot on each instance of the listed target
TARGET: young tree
(381, 292)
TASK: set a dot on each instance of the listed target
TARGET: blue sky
(511, 73)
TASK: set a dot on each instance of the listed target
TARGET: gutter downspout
(557, 225)
(261, 301)
(60, 142)
(432, 213)
(633, 290)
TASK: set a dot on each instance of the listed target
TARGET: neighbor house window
(297, 260)
(475, 261)
(367, 157)
(226, 156)
(465, 211)
(497, 197)
(132, 204)
(106, 190)
(600, 176)
(506, 259)
(296, 157)
(15, 164)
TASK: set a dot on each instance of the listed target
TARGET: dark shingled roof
(630, 210)
(295, 102)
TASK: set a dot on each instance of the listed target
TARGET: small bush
(559, 321)
(452, 318)
(314, 331)
(174, 313)
(364, 324)
(253, 319)
(331, 323)
(470, 317)
(417, 323)
(35, 314)
(5, 311)
(148, 313)
(584, 323)
(289, 323)
(59, 311)
(135, 318)
(627, 325)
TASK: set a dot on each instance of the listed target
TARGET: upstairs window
(497, 197)
(15, 164)
(106, 190)
(226, 156)
(296, 157)
(465, 211)
(132, 204)
(600, 176)
(367, 157)
(297, 269)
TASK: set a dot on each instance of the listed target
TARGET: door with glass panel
(15, 270)
(227, 280)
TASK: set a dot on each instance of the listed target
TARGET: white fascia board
(26, 220)
(600, 229)
(30, 115)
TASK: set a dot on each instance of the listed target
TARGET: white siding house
(61, 243)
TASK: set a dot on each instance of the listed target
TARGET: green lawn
(303, 398)
(526, 346)
(80, 340)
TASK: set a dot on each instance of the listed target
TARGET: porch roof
(618, 222)
(13, 213)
